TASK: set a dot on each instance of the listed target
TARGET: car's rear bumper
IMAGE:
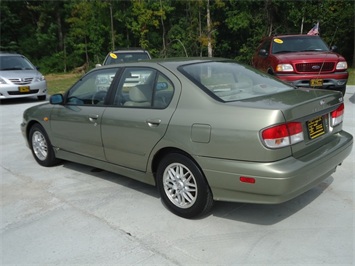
(275, 182)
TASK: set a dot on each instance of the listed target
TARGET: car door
(139, 118)
(76, 124)
(261, 58)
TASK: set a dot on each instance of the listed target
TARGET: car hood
(296, 103)
(313, 56)
(12, 74)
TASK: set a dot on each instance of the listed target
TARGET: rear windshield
(229, 81)
(293, 44)
(116, 58)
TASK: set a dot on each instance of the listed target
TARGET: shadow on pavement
(244, 212)
(269, 214)
(20, 101)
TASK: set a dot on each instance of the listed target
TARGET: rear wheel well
(163, 152)
(168, 150)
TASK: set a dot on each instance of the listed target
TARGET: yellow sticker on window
(278, 41)
(114, 56)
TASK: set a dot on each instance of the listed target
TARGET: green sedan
(201, 130)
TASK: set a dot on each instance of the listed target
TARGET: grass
(60, 83)
(351, 80)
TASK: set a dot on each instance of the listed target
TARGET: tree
(89, 30)
(61, 35)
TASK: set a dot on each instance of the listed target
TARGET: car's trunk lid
(311, 107)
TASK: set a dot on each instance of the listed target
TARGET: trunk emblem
(322, 102)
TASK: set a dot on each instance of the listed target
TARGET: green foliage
(62, 35)
(60, 83)
(351, 80)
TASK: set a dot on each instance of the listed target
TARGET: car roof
(131, 50)
(170, 63)
(288, 36)
(294, 35)
(9, 53)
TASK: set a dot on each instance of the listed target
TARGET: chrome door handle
(153, 122)
(93, 118)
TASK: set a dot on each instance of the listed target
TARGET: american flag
(314, 30)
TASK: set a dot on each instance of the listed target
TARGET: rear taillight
(337, 115)
(283, 135)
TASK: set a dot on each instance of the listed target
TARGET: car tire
(183, 187)
(41, 146)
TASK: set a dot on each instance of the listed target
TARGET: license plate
(24, 89)
(316, 82)
(315, 127)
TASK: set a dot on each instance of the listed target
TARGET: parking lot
(74, 215)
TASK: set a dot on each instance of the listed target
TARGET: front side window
(266, 46)
(144, 88)
(229, 81)
(92, 88)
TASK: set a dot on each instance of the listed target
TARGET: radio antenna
(331, 42)
(330, 46)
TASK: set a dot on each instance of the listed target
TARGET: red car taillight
(338, 115)
(283, 135)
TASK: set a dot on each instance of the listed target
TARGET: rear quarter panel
(203, 126)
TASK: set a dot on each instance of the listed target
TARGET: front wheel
(41, 146)
(183, 187)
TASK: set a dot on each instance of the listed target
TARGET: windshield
(298, 44)
(116, 58)
(229, 81)
(14, 63)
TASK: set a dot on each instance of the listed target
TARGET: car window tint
(92, 88)
(266, 46)
(229, 81)
(143, 88)
(298, 44)
(15, 63)
(125, 57)
(163, 92)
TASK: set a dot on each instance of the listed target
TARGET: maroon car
(303, 61)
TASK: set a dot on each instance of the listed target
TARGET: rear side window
(229, 81)
(143, 88)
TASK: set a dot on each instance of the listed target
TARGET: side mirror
(56, 99)
(97, 65)
(263, 52)
(333, 48)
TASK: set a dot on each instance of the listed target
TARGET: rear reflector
(283, 135)
(245, 179)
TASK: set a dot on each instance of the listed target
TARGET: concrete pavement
(76, 215)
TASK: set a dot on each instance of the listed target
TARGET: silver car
(19, 78)
(199, 129)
